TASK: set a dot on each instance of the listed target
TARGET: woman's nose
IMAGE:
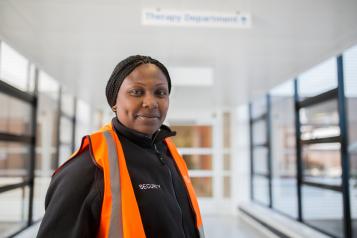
(149, 101)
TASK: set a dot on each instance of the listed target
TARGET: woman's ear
(114, 108)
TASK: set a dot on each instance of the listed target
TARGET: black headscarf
(124, 68)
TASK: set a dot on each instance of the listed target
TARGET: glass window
(83, 126)
(323, 209)
(319, 79)
(350, 73)
(66, 131)
(197, 161)
(83, 113)
(203, 186)
(322, 163)
(15, 116)
(198, 136)
(259, 132)
(48, 85)
(320, 121)
(81, 131)
(284, 183)
(14, 210)
(65, 151)
(261, 189)
(260, 156)
(47, 139)
(259, 107)
(14, 162)
(13, 67)
(67, 103)
(41, 186)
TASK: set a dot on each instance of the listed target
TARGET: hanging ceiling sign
(159, 17)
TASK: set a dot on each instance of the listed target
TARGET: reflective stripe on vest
(120, 216)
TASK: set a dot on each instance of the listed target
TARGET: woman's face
(143, 99)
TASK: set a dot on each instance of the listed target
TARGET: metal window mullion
(28, 75)
(323, 97)
(58, 129)
(269, 155)
(12, 91)
(33, 151)
(251, 150)
(0, 57)
(330, 187)
(332, 139)
(74, 124)
(299, 166)
(6, 188)
(344, 148)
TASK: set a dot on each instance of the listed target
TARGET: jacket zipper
(159, 154)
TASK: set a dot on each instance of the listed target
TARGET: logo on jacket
(147, 186)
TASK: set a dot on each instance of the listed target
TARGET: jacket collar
(140, 138)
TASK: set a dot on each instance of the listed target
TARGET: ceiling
(80, 42)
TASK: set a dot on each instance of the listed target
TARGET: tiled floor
(215, 227)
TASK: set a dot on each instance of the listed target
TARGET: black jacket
(74, 197)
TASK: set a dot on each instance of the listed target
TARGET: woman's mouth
(148, 116)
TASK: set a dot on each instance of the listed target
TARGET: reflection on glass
(261, 190)
(14, 162)
(226, 186)
(323, 209)
(200, 162)
(260, 156)
(322, 163)
(15, 116)
(14, 210)
(193, 136)
(284, 185)
(259, 132)
(319, 79)
(320, 121)
(202, 186)
(13, 67)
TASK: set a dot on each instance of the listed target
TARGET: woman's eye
(161, 93)
(136, 92)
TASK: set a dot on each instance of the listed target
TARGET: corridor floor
(215, 227)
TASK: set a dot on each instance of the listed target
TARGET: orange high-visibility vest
(120, 216)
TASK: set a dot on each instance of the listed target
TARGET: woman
(126, 180)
